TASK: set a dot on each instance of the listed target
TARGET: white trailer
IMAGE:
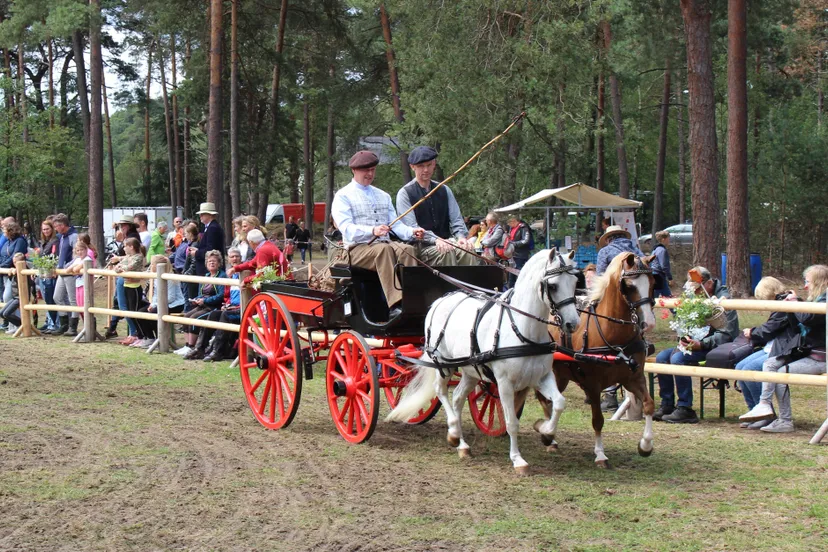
(154, 214)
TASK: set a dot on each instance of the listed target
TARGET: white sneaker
(12, 328)
(146, 343)
(183, 350)
(760, 424)
(779, 426)
(142, 343)
(761, 411)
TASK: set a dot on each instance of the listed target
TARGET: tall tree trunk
(64, 96)
(108, 126)
(215, 169)
(658, 203)
(186, 152)
(179, 186)
(615, 100)
(757, 120)
(253, 157)
(51, 61)
(147, 155)
(21, 83)
(738, 248)
(395, 87)
(560, 164)
(306, 151)
(174, 201)
(331, 147)
(703, 146)
(96, 187)
(599, 169)
(274, 111)
(83, 99)
(682, 157)
(235, 190)
(820, 88)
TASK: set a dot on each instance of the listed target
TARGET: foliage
(44, 264)
(267, 275)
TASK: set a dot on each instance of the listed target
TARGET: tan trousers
(430, 255)
(381, 258)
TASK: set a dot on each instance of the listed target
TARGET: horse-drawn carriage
(288, 327)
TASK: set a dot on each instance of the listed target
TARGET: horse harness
(478, 358)
(623, 353)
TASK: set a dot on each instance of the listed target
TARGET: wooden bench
(704, 385)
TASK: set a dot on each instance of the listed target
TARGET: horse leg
(638, 387)
(459, 396)
(441, 385)
(507, 401)
(601, 459)
(548, 387)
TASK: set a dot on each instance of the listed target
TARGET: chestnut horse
(620, 311)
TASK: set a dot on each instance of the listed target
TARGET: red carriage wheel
(352, 386)
(486, 409)
(269, 361)
(395, 377)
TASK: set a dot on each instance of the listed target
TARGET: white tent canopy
(581, 195)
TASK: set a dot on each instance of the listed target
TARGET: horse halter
(640, 269)
(546, 288)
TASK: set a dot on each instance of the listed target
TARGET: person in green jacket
(157, 245)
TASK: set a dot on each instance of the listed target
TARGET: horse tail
(417, 395)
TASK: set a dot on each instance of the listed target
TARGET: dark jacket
(730, 331)
(132, 233)
(216, 299)
(212, 238)
(775, 326)
(520, 237)
(49, 247)
(804, 330)
(10, 248)
(66, 242)
(663, 257)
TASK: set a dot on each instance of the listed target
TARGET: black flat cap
(363, 160)
(421, 154)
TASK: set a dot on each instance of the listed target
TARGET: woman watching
(191, 237)
(132, 261)
(768, 289)
(799, 350)
(240, 239)
(210, 297)
(48, 246)
(212, 344)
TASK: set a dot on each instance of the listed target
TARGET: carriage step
(307, 362)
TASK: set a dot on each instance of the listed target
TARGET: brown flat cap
(363, 160)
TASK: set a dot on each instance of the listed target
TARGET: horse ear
(571, 255)
(630, 260)
(553, 253)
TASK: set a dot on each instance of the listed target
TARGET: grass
(104, 447)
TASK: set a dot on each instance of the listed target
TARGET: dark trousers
(148, 329)
(9, 313)
(668, 385)
(47, 289)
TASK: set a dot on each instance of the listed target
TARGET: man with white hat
(364, 215)
(614, 241)
(212, 237)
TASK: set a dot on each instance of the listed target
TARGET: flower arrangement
(267, 275)
(695, 316)
(44, 264)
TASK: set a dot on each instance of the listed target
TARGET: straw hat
(207, 208)
(126, 219)
(613, 230)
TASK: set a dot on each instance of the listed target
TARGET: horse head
(637, 287)
(557, 288)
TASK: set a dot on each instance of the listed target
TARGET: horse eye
(553, 287)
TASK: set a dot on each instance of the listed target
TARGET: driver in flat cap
(363, 212)
(439, 215)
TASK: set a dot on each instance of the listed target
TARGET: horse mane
(601, 285)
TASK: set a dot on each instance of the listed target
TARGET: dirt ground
(107, 448)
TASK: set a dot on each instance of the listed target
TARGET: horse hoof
(552, 448)
(464, 453)
(453, 441)
(644, 453)
(548, 440)
(537, 425)
(522, 471)
(603, 464)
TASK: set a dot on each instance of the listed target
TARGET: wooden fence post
(110, 297)
(162, 308)
(823, 430)
(90, 330)
(23, 293)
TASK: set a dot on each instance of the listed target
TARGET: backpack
(506, 249)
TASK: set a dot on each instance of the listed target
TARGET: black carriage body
(358, 302)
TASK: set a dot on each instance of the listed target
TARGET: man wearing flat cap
(363, 212)
(439, 215)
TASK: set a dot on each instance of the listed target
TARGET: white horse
(546, 283)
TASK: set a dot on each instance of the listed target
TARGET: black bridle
(547, 291)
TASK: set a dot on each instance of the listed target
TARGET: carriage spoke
(337, 376)
(345, 404)
(276, 384)
(287, 372)
(351, 419)
(265, 395)
(260, 329)
(492, 409)
(359, 415)
(364, 395)
(258, 382)
(277, 392)
(255, 347)
(248, 365)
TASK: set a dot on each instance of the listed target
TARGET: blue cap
(421, 154)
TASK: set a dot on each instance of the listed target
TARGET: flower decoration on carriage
(268, 274)
(695, 316)
(44, 264)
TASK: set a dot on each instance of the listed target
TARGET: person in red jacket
(266, 254)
